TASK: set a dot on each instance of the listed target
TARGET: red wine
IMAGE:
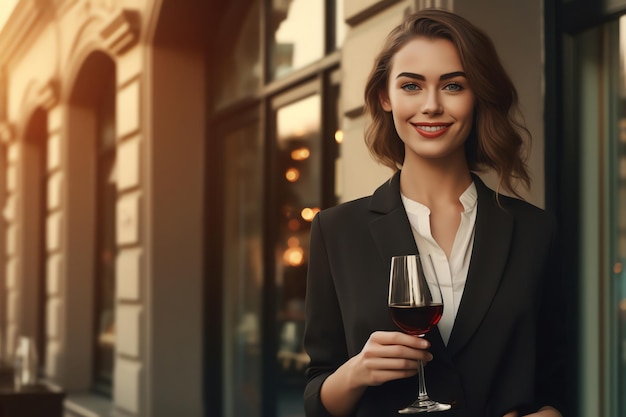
(414, 320)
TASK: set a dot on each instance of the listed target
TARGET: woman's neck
(432, 183)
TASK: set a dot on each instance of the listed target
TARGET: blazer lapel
(393, 236)
(391, 230)
(494, 229)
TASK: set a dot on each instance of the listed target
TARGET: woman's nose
(432, 103)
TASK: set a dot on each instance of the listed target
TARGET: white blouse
(451, 273)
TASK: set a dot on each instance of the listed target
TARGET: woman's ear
(385, 103)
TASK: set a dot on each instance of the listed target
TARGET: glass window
(340, 25)
(243, 269)
(35, 200)
(105, 242)
(298, 190)
(275, 151)
(297, 31)
(618, 219)
(595, 98)
(42, 295)
(239, 69)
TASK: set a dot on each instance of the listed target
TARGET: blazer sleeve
(552, 344)
(324, 337)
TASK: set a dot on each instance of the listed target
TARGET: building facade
(161, 161)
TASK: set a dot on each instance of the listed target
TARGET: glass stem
(422, 394)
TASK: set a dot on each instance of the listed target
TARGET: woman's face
(430, 100)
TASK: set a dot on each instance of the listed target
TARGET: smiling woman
(441, 106)
(496, 100)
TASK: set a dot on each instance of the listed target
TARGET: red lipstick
(431, 130)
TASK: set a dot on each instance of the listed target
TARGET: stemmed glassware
(416, 306)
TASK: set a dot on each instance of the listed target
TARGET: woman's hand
(386, 356)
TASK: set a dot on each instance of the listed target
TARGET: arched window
(35, 177)
(106, 197)
(89, 218)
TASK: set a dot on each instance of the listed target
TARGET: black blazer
(506, 347)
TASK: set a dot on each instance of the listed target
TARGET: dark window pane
(618, 185)
(106, 243)
(243, 271)
(299, 198)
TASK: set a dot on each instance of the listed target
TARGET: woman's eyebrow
(422, 78)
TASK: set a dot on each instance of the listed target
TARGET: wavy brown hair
(497, 137)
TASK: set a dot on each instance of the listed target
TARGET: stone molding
(48, 95)
(121, 32)
(21, 23)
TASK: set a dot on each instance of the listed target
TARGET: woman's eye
(410, 87)
(453, 87)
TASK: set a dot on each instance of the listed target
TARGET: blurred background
(161, 162)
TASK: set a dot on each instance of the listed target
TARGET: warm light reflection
(618, 268)
(300, 154)
(339, 136)
(294, 255)
(308, 213)
(622, 305)
(292, 175)
(299, 132)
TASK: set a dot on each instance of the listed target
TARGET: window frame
(322, 77)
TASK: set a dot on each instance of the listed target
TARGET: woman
(442, 106)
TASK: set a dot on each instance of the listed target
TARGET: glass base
(424, 406)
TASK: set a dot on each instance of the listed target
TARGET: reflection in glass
(299, 149)
(340, 25)
(618, 181)
(239, 64)
(297, 34)
(243, 271)
(106, 245)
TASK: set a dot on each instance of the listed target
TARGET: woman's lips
(431, 130)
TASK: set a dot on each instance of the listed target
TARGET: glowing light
(300, 154)
(292, 175)
(308, 213)
(618, 268)
(339, 136)
(293, 256)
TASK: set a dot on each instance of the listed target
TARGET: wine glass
(416, 305)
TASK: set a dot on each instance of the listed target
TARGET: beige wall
(53, 54)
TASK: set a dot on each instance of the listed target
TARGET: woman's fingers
(397, 345)
(398, 338)
(396, 351)
(390, 355)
